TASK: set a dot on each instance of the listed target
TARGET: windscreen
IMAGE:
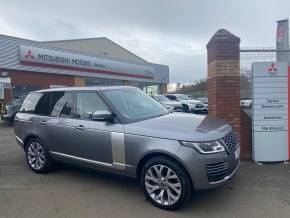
(134, 104)
(161, 98)
(184, 97)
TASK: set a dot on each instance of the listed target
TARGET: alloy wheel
(163, 185)
(35, 155)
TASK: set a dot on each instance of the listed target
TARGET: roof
(101, 46)
(88, 88)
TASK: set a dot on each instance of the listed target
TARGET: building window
(20, 90)
(153, 89)
(93, 81)
(114, 82)
(140, 85)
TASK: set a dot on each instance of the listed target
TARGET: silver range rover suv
(124, 131)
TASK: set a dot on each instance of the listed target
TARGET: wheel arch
(150, 155)
(185, 107)
(29, 137)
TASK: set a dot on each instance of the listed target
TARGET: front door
(96, 142)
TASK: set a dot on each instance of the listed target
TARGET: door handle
(80, 127)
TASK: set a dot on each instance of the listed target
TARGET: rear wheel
(37, 156)
(165, 183)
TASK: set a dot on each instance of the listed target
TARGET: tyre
(185, 108)
(37, 156)
(165, 183)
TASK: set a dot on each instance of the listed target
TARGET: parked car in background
(204, 102)
(124, 131)
(12, 108)
(189, 104)
(246, 103)
(166, 102)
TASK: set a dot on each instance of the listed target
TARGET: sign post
(270, 112)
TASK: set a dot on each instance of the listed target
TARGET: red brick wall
(42, 80)
(39, 79)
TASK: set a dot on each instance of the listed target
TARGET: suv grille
(217, 172)
(231, 142)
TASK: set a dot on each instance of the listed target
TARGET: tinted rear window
(61, 104)
(43, 105)
(171, 97)
(30, 102)
(56, 104)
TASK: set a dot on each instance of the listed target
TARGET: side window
(30, 102)
(171, 97)
(43, 105)
(87, 104)
(61, 104)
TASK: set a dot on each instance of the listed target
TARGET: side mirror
(102, 115)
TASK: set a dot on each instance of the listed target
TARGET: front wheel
(185, 108)
(165, 183)
(37, 156)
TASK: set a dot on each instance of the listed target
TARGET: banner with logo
(40, 57)
(282, 41)
(270, 111)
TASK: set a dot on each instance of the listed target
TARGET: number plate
(237, 153)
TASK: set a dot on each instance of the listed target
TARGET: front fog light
(205, 147)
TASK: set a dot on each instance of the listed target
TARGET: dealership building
(27, 65)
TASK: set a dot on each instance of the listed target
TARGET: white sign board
(270, 112)
(5, 80)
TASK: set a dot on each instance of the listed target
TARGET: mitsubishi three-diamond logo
(29, 55)
(273, 68)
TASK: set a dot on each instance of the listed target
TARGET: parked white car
(169, 104)
(204, 101)
(189, 104)
(246, 103)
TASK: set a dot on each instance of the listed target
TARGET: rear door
(59, 124)
(54, 119)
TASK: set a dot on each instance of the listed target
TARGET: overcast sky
(170, 32)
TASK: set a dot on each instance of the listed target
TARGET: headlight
(205, 147)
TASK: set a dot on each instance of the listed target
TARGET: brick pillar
(223, 52)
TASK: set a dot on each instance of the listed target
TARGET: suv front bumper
(200, 110)
(209, 171)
